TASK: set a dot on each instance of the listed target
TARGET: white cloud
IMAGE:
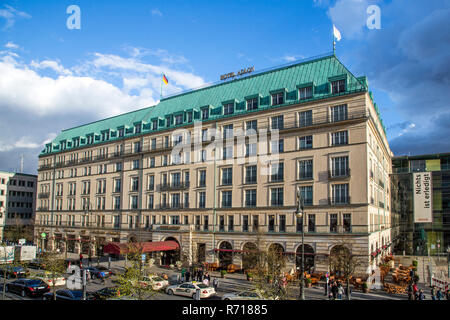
(156, 12)
(291, 58)
(50, 64)
(407, 129)
(10, 14)
(11, 45)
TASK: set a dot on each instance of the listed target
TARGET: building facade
(17, 202)
(311, 125)
(422, 238)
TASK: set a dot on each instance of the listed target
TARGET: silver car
(244, 295)
(188, 289)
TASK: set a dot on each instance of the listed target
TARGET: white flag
(336, 33)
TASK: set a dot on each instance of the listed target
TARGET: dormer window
(252, 104)
(76, 142)
(305, 93)
(137, 128)
(63, 145)
(105, 135)
(338, 86)
(178, 119)
(90, 139)
(205, 113)
(121, 132)
(154, 124)
(228, 108)
(277, 98)
(189, 116)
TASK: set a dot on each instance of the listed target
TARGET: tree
(131, 281)
(17, 230)
(54, 267)
(343, 263)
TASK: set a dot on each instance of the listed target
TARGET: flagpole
(160, 97)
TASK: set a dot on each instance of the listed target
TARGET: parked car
(106, 293)
(95, 272)
(188, 289)
(28, 287)
(14, 272)
(60, 279)
(36, 264)
(243, 295)
(156, 282)
(105, 269)
(66, 294)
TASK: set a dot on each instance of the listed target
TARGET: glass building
(421, 238)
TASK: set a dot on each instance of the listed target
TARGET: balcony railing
(171, 206)
(45, 166)
(339, 200)
(336, 174)
(174, 186)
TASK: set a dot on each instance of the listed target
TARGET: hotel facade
(139, 176)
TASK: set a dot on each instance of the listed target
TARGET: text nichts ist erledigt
(426, 189)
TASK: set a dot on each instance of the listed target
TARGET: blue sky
(52, 78)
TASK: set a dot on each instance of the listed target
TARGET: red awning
(122, 248)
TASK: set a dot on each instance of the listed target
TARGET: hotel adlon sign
(423, 206)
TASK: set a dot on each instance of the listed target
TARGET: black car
(28, 287)
(106, 293)
(96, 272)
(105, 269)
(14, 272)
(66, 294)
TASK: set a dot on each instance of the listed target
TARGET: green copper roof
(318, 72)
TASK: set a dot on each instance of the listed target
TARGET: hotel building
(118, 179)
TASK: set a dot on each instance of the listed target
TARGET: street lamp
(300, 215)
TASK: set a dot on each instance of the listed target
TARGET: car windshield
(34, 282)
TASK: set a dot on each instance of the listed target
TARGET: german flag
(164, 79)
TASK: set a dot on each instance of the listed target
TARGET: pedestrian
(340, 291)
(334, 290)
(421, 295)
(188, 275)
(433, 293)
(447, 295)
(200, 275)
(206, 282)
(88, 275)
(415, 291)
(216, 284)
(102, 277)
(183, 272)
(410, 292)
(439, 294)
(207, 276)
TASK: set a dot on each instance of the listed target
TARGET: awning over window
(144, 247)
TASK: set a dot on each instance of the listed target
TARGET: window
(152, 162)
(271, 223)
(178, 119)
(202, 178)
(250, 198)
(277, 171)
(151, 201)
(340, 194)
(227, 176)
(338, 86)
(175, 200)
(165, 160)
(151, 182)
(228, 108)
(339, 138)
(305, 169)
(311, 222)
(250, 149)
(230, 223)
(226, 199)
(176, 179)
(186, 219)
(134, 183)
(205, 223)
(186, 200)
(333, 222)
(202, 200)
(307, 194)
(228, 131)
(252, 104)
(277, 146)
(121, 132)
(278, 122)
(118, 166)
(299, 224)
(136, 164)
(305, 118)
(137, 147)
(134, 202)
(277, 196)
(137, 128)
(277, 98)
(153, 144)
(245, 223)
(222, 223)
(250, 174)
(154, 124)
(339, 113)
(255, 223)
(116, 222)
(205, 113)
(305, 142)
(227, 153)
(339, 167)
(251, 125)
(305, 93)
(189, 117)
(166, 142)
(282, 223)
